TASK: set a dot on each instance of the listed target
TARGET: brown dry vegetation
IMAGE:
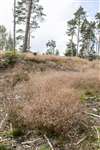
(52, 100)
(44, 93)
(69, 62)
(51, 104)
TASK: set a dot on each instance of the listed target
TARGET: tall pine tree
(28, 15)
(71, 47)
(80, 16)
(88, 38)
(97, 17)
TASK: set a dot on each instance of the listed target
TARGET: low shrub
(52, 102)
(88, 84)
(52, 107)
(18, 132)
(10, 57)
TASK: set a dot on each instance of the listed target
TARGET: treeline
(6, 40)
(84, 35)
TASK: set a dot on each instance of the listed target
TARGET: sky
(58, 12)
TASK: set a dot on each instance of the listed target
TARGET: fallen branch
(49, 143)
(94, 115)
(30, 142)
(80, 141)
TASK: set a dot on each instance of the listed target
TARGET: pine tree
(71, 28)
(84, 38)
(14, 28)
(71, 49)
(3, 36)
(88, 38)
(27, 30)
(28, 15)
(97, 17)
(51, 45)
(9, 43)
(71, 33)
(80, 16)
(57, 52)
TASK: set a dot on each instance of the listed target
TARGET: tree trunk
(78, 34)
(96, 46)
(99, 45)
(25, 46)
(28, 41)
(72, 45)
(14, 32)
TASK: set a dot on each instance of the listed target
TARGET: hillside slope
(54, 96)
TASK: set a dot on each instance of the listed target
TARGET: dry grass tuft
(19, 77)
(50, 101)
(52, 104)
(88, 83)
(71, 63)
